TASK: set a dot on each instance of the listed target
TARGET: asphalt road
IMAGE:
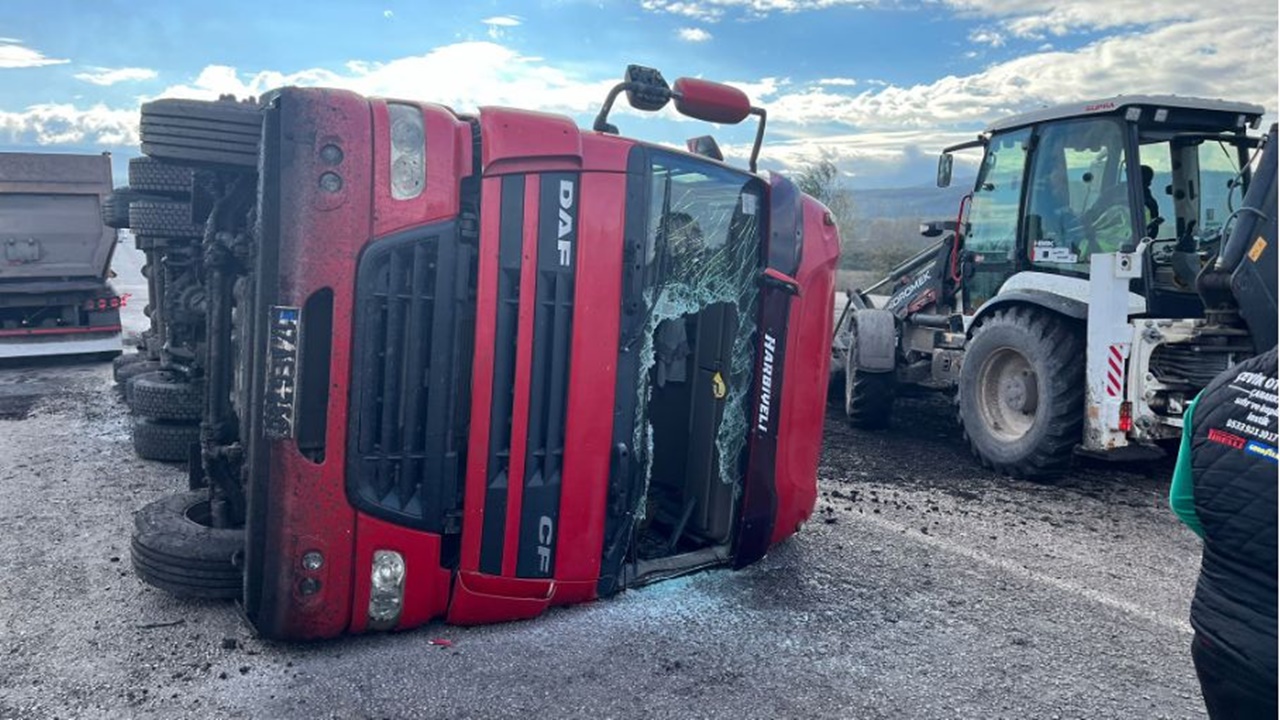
(925, 587)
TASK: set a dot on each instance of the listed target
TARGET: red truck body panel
(303, 504)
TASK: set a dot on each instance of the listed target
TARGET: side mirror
(944, 170)
(646, 89)
(711, 101)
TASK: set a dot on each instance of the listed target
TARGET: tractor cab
(1090, 286)
(1059, 185)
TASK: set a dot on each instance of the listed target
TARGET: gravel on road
(924, 587)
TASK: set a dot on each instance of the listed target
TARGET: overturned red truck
(473, 366)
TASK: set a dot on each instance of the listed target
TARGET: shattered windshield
(702, 255)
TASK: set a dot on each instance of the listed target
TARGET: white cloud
(388, 14)
(1220, 56)
(110, 76)
(714, 10)
(466, 75)
(498, 25)
(14, 55)
(986, 36)
(694, 35)
(1036, 18)
(54, 124)
(872, 128)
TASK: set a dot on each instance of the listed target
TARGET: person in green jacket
(1225, 489)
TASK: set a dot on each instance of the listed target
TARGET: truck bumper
(69, 343)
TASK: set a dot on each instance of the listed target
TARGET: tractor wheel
(163, 218)
(868, 396)
(222, 134)
(1021, 393)
(165, 396)
(175, 548)
(153, 176)
(164, 441)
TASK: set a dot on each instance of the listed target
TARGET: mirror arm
(755, 149)
(602, 119)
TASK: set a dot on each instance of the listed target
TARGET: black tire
(868, 396)
(222, 134)
(158, 178)
(124, 359)
(164, 441)
(164, 395)
(128, 370)
(1021, 392)
(115, 207)
(174, 548)
(163, 218)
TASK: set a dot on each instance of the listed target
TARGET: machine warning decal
(1255, 252)
(1045, 252)
(282, 371)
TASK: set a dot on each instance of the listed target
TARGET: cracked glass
(702, 255)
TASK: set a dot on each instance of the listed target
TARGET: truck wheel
(221, 134)
(164, 441)
(152, 176)
(166, 396)
(1021, 393)
(125, 359)
(868, 396)
(127, 370)
(164, 218)
(176, 549)
(115, 206)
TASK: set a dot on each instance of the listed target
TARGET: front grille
(549, 379)
(414, 318)
(1191, 365)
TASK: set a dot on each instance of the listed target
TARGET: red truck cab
(497, 363)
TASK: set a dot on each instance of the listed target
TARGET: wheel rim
(1008, 394)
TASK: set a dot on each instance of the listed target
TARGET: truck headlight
(408, 151)
(386, 595)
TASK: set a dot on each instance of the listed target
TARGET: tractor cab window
(991, 234)
(1078, 201)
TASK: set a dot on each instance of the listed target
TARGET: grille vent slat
(401, 466)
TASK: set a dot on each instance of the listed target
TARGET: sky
(877, 87)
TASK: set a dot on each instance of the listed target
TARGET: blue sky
(876, 86)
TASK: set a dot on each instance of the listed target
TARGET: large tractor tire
(868, 396)
(1021, 393)
(166, 396)
(158, 178)
(163, 218)
(164, 441)
(176, 549)
(222, 134)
